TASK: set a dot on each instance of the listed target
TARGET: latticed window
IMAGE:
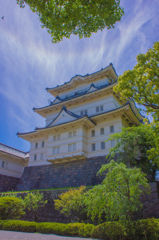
(93, 147)
(102, 131)
(111, 129)
(102, 145)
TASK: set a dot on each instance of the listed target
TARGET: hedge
(145, 229)
(70, 229)
(109, 231)
(18, 225)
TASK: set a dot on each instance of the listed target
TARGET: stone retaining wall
(48, 212)
(7, 183)
(69, 174)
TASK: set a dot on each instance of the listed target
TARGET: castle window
(58, 137)
(41, 156)
(102, 145)
(36, 145)
(2, 165)
(58, 149)
(93, 147)
(42, 144)
(35, 157)
(54, 150)
(93, 133)
(101, 108)
(70, 134)
(72, 147)
(112, 143)
(83, 113)
(111, 129)
(54, 138)
(102, 131)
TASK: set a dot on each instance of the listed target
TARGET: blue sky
(30, 62)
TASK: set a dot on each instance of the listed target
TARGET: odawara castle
(71, 148)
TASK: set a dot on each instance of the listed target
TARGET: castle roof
(16, 153)
(127, 111)
(78, 96)
(77, 80)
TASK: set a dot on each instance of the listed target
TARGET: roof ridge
(13, 148)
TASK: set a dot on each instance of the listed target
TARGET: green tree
(80, 17)
(118, 196)
(71, 203)
(142, 83)
(11, 208)
(33, 201)
(132, 145)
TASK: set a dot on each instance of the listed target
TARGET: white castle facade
(82, 116)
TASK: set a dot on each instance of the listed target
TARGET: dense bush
(55, 228)
(11, 208)
(19, 225)
(33, 201)
(71, 229)
(71, 203)
(145, 229)
(1, 224)
(81, 229)
(109, 231)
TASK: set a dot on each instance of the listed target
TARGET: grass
(49, 189)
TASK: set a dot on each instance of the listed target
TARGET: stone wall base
(49, 214)
(61, 175)
(8, 183)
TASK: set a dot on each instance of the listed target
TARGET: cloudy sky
(29, 62)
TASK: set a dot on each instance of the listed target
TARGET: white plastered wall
(108, 102)
(11, 167)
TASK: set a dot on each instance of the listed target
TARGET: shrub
(19, 225)
(1, 224)
(11, 208)
(33, 201)
(55, 228)
(70, 229)
(71, 203)
(81, 229)
(109, 231)
(145, 229)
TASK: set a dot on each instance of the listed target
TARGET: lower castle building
(71, 148)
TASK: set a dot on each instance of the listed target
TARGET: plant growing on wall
(11, 207)
(33, 201)
(118, 196)
(71, 203)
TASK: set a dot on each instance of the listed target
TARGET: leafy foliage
(71, 203)
(109, 231)
(70, 229)
(33, 201)
(80, 17)
(142, 83)
(131, 148)
(118, 197)
(19, 225)
(11, 208)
